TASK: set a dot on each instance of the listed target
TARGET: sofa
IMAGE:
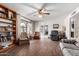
(69, 49)
(23, 39)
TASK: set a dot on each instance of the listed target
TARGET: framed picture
(55, 26)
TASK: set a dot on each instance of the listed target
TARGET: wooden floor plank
(45, 47)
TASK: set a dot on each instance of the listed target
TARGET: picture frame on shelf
(10, 15)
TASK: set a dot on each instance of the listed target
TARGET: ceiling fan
(43, 12)
(40, 12)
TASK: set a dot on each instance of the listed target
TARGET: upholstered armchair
(36, 35)
(23, 38)
(54, 35)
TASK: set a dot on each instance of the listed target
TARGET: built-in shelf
(72, 28)
(7, 21)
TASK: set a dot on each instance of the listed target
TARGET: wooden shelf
(5, 26)
(8, 31)
(13, 19)
(5, 49)
(3, 17)
(6, 15)
(6, 22)
(3, 12)
(8, 19)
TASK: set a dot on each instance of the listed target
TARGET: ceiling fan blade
(53, 10)
(31, 6)
(32, 13)
(43, 6)
(50, 10)
(47, 13)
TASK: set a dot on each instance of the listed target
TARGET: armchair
(36, 35)
(23, 38)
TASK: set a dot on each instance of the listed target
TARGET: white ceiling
(58, 9)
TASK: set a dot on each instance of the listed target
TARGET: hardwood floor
(45, 47)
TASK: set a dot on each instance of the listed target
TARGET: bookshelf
(7, 23)
(72, 29)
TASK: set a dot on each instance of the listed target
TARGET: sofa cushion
(66, 52)
(77, 39)
(77, 44)
(70, 52)
(70, 46)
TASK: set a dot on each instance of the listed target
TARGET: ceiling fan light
(40, 16)
(44, 11)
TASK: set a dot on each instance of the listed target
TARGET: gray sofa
(69, 49)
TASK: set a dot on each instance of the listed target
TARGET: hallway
(44, 47)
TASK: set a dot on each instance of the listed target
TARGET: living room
(29, 29)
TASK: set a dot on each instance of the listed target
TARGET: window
(23, 26)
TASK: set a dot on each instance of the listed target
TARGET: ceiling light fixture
(40, 16)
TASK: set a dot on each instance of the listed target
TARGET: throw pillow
(77, 44)
(69, 41)
(77, 39)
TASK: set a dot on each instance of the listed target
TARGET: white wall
(50, 22)
(67, 24)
